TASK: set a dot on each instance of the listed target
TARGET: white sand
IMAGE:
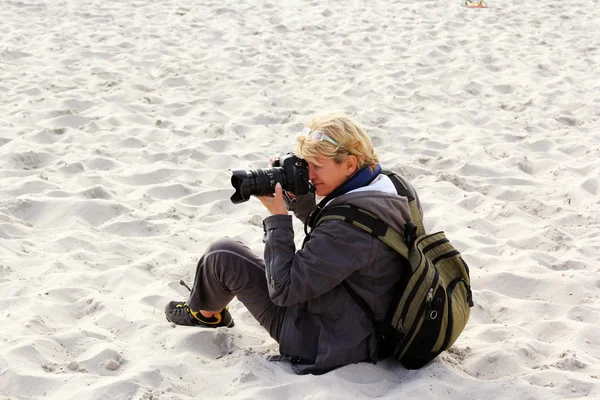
(119, 121)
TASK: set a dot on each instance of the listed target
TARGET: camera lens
(258, 182)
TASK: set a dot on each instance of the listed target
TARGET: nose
(311, 174)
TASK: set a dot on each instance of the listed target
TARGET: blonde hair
(339, 127)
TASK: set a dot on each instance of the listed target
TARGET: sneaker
(179, 313)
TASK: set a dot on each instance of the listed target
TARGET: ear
(351, 165)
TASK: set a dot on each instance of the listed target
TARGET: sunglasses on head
(319, 136)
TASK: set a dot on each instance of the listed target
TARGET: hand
(274, 161)
(274, 202)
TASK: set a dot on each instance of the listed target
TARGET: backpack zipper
(434, 244)
(444, 256)
(413, 293)
(413, 328)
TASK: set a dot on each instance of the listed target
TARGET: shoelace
(187, 312)
(183, 310)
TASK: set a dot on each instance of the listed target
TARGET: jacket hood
(377, 198)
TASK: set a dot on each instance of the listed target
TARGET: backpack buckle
(410, 233)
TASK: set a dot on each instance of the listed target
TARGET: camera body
(290, 171)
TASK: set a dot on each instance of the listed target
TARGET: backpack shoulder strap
(404, 189)
(369, 223)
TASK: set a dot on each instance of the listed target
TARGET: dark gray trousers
(227, 269)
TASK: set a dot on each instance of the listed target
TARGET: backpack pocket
(421, 349)
(458, 294)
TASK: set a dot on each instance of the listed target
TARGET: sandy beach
(120, 122)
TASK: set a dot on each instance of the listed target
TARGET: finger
(274, 161)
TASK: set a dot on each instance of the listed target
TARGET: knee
(230, 254)
(225, 244)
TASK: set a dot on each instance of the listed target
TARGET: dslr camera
(290, 171)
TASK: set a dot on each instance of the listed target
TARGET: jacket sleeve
(331, 255)
(301, 205)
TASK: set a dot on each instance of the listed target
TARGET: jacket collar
(360, 179)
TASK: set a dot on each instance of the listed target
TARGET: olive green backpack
(434, 297)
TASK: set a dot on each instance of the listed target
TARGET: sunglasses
(319, 136)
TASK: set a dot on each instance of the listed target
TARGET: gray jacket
(323, 325)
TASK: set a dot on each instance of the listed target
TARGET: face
(328, 175)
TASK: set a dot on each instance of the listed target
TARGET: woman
(297, 295)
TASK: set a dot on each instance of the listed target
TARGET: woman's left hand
(274, 202)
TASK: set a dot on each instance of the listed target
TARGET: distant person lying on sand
(298, 295)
